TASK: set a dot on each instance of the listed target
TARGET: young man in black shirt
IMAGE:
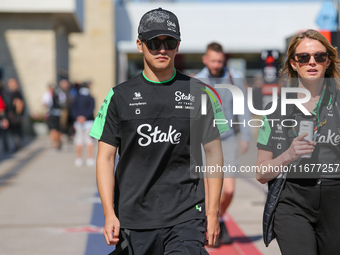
(156, 122)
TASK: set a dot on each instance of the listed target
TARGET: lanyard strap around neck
(317, 108)
(317, 111)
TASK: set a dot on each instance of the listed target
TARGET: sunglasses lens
(153, 44)
(320, 57)
(170, 43)
(303, 58)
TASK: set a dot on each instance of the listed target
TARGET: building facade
(42, 42)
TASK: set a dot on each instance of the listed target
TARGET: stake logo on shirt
(155, 135)
(181, 96)
(331, 138)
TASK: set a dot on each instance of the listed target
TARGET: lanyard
(317, 108)
(317, 111)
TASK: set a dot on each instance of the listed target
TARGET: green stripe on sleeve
(99, 123)
(218, 113)
(264, 132)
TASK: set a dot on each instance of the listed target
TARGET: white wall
(37, 5)
(45, 6)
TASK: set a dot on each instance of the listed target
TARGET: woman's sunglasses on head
(169, 43)
(303, 58)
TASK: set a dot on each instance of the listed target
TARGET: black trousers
(307, 218)
(186, 238)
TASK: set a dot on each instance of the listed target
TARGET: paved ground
(48, 206)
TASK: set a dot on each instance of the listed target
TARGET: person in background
(66, 121)
(54, 99)
(215, 72)
(82, 112)
(15, 112)
(3, 118)
(4, 124)
(2, 107)
(74, 89)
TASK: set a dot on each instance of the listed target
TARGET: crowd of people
(68, 109)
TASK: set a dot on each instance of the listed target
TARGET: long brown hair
(332, 71)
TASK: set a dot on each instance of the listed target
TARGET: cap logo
(171, 25)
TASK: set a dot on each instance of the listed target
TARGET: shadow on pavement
(5, 155)
(14, 171)
(247, 239)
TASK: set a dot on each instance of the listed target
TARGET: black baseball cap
(158, 22)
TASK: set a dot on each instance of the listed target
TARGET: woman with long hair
(299, 153)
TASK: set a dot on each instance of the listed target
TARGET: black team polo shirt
(158, 129)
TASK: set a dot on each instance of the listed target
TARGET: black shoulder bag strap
(274, 193)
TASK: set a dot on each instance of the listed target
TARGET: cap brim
(152, 34)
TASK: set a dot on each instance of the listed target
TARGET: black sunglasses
(169, 43)
(303, 58)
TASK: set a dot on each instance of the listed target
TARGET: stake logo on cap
(158, 22)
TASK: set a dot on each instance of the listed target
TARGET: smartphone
(307, 126)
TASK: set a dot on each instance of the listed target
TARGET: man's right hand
(111, 230)
(213, 229)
